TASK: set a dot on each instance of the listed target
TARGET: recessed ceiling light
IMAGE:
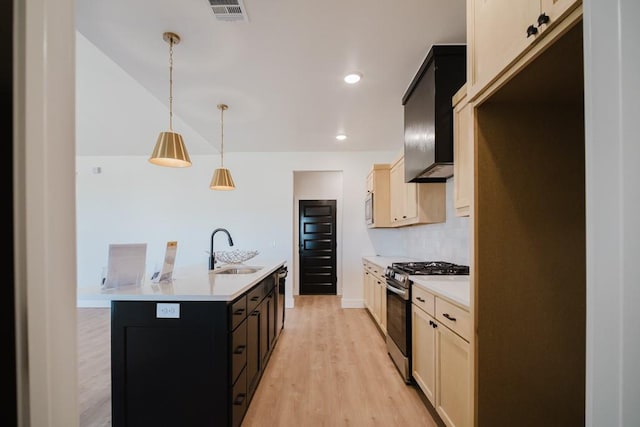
(352, 78)
(341, 137)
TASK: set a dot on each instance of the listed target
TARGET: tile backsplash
(448, 241)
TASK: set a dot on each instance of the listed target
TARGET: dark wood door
(317, 246)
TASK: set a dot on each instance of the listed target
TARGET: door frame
(296, 240)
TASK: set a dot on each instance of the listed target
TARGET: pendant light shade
(170, 149)
(222, 179)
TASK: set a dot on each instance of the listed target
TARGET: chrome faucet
(212, 256)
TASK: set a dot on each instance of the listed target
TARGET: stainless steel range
(399, 306)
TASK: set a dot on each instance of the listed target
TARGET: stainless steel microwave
(368, 208)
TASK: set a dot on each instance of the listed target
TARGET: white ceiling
(281, 71)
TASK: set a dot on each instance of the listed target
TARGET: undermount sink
(236, 270)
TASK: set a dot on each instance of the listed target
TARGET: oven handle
(396, 291)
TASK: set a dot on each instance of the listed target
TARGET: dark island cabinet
(194, 363)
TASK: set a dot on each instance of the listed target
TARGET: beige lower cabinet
(440, 357)
(375, 294)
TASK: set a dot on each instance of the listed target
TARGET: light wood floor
(329, 368)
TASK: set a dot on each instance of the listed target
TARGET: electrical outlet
(167, 310)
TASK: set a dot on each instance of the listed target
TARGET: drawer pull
(448, 316)
(239, 399)
(255, 298)
(238, 312)
(421, 300)
(433, 324)
(531, 31)
(239, 349)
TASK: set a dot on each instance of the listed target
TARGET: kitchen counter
(385, 261)
(452, 288)
(190, 283)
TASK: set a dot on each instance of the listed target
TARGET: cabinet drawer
(254, 297)
(238, 350)
(454, 317)
(238, 312)
(423, 299)
(239, 400)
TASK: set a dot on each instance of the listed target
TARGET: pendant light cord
(171, 83)
(222, 137)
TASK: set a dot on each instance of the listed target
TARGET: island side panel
(169, 371)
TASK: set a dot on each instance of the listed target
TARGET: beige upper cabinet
(462, 153)
(378, 195)
(500, 31)
(413, 203)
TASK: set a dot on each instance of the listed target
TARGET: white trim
(352, 303)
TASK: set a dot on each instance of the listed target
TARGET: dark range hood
(428, 114)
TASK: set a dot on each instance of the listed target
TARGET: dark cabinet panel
(253, 350)
(193, 363)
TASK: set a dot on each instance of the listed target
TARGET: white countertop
(386, 261)
(191, 283)
(453, 288)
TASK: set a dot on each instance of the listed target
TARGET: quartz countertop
(386, 261)
(190, 283)
(453, 288)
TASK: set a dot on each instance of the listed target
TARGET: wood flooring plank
(330, 367)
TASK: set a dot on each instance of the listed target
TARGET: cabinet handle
(433, 324)
(255, 313)
(404, 216)
(543, 19)
(531, 31)
(448, 316)
(239, 399)
(256, 298)
(421, 300)
(239, 349)
(238, 312)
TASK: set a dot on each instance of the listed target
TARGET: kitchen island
(192, 351)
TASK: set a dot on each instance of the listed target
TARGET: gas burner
(430, 268)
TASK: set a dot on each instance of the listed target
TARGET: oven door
(397, 300)
(398, 333)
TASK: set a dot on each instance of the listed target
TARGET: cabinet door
(265, 310)
(253, 350)
(556, 9)
(366, 289)
(463, 157)
(383, 306)
(497, 35)
(376, 299)
(410, 210)
(424, 352)
(452, 383)
(272, 318)
(397, 197)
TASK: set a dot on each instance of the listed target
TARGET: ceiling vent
(228, 10)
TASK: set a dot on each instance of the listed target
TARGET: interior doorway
(317, 247)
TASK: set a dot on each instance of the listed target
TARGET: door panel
(317, 246)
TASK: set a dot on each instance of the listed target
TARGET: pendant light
(222, 177)
(170, 149)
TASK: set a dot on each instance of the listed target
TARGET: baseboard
(352, 303)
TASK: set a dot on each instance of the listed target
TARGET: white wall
(612, 102)
(132, 201)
